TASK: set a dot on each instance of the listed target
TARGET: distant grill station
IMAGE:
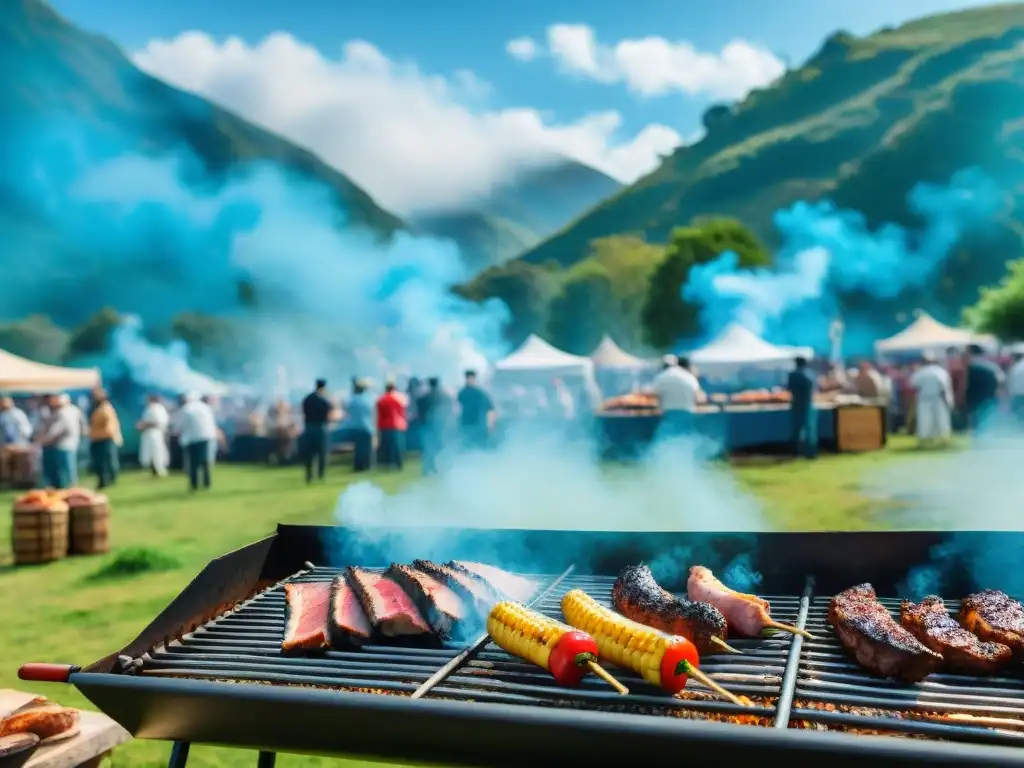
(209, 669)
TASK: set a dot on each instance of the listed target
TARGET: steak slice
(347, 625)
(995, 617)
(471, 590)
(880, 645)
(507, 584)
(305, 624)
(930, 622)
(443, 608)
(391, 612)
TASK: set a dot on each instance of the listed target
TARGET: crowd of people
(929, 397)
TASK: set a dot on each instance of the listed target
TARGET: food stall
(745, 419)
(926, 334)
(618, 371)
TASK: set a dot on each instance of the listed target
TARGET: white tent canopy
(20, 375)
(738, 346)
(537, 356)
(928, 334)
(608, 354)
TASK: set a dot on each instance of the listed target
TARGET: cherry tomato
(569, 657)
(680, 657)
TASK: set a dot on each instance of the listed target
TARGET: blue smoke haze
(155, 236)
(827, 252)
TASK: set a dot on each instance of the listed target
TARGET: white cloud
(523, 48)
(654, 66)
(413, 140)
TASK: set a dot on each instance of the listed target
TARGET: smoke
(158, 235)
(546, 482)
(154, 367)
(827, 253)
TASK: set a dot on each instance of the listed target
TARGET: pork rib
(347, 625)
(391, 612)
(995, 617)
(508, 584)
(306, 607)
(880, 645)
(440, 605)
(637, 596)
(930, 622)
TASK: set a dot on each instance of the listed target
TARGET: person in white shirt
(934, 402)
(198, 430)
(153, 452)
(1015, 386)
(15, 428)
(679, 393)
(60, 436)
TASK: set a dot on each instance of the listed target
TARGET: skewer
(789, 628)
(601, 672)
(700, 677)
(725, 646)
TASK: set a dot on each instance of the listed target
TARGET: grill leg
(266, 760)
(179, 754)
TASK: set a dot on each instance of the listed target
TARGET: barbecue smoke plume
(155, 236)
(828, 253)
(546, 482)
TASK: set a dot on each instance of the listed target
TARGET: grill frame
(298, 719)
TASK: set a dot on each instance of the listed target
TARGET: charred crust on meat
(638, 596)
(414, 583)
(930, 622)
(342, 637)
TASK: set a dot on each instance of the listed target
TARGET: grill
(209, 669)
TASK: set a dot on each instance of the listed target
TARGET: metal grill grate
(794, 683)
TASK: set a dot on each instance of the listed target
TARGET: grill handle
(47, 673)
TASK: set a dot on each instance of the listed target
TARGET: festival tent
(610, 355)
(20, 375)
(738, 347)
(928, 334)
(537, 356)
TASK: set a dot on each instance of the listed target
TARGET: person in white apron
(153, 452)
(934, 402)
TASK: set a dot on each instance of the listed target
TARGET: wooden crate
(39, 535)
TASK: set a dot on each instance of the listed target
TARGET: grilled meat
(306, 607)
(474, 591)
(44, 720)
(744, 614)
(994, 617)
(347, 625)
(391, 612)
(637, 596)
(507, 584)
(930, 622)
(868, 631)
(440, 605)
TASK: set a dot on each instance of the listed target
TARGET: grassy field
(63, 613)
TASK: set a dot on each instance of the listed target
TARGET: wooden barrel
(90, 528)
(39, 534)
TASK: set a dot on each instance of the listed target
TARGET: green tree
(1000, 310)
(583, 311)
(665, 316)
(36, 338)
(93, 336)
(525, 290)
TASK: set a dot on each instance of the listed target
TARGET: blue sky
(447, 36)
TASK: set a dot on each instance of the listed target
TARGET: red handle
(46, 673)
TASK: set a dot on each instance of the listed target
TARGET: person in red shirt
(391, 427)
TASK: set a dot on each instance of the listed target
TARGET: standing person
(869, 383)
(198, 430)
(435, 409)
(981, 386)
(316, 413)
(15, 433)
(413, 392)
(219, 441)
(153, 452)
(804, 430)
(105, 439)
(678, 392)
(476, 414)
(60, 436)
(1014, 386)
(391, 427)
(359, 424)
(934, 397)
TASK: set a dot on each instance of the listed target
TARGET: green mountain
(521, 213)
(860, 123)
